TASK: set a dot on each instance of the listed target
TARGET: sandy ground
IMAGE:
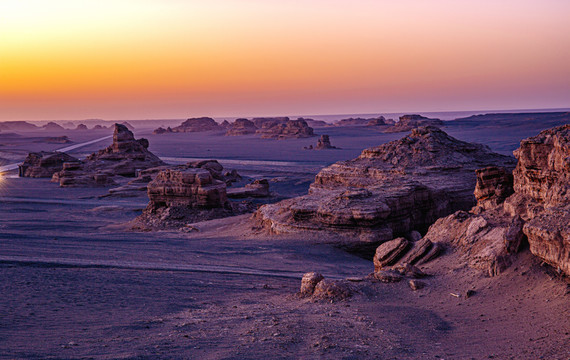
(75, 284)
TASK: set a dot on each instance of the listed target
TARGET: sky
(160, 59)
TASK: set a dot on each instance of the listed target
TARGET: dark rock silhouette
(44, 164)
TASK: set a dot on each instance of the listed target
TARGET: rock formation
(361, 121)
(389, 190)
(379, 121)
(285, 130)
(257, 189)
(324, 143)
(267, 122)
(197, 125)
(162, 130)
(81, 127)
(17, 126)
(124, 157)
(51, 126)
(241, 127)
(43, 164)
(537, 210)
(409, 122)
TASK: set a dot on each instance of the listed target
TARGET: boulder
(389, 252)
(308, 283)
(332, 290)
(44, 164)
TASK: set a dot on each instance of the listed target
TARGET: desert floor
(77, 283)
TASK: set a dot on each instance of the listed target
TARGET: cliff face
(389, 190)
(44, 164)
(533, 203)
(542, 188)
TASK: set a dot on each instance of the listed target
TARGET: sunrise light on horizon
(141, 59)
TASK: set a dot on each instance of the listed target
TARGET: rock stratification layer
(389, 190)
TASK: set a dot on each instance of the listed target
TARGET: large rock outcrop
(125, 157)
(389, 190)
(197, 125)
(44, 164)
(409, 122)
(532, 204)
(241, 127)
(285, 130)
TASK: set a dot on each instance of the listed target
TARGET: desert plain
(78, 280)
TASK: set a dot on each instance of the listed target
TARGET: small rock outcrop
(124, 157)
(81, 127)
(388, 190)
(409, 122)
(257, 189)
(241, 127)
(285, 130)
(44, 164)
(379, 121)
(536, 211)
(324, 143)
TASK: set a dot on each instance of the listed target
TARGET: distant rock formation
(285, 130)
(241, 127)
(267, 122)
(17, 126)
(81, 127)
(128, 126)
(537, 210)
(51, 126)
(225, 124)
(409, 122)
(389, 190)
(316, 123)
(43, 164)
(379, 121)
(123, 158)
(162, 130)
(323, 143)
(100, 127)
(197, 125)
(361, 122)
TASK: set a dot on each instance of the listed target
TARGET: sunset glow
(73, 59)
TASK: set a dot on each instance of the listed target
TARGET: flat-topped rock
(409, 122)
(241, 127)
(198, 125)
(285, 130)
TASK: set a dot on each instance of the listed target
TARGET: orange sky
(137, 59)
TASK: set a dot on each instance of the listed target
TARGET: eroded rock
(44, 164)
(309, 281)
(409, 122)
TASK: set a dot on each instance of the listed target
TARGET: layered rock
(44, 164)
(241, 127)
(538, 210)
(409, 122)
(197, 125)
(124, 157)
(189, 188)
(285, 130)
(379, 121)
(389, 190)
